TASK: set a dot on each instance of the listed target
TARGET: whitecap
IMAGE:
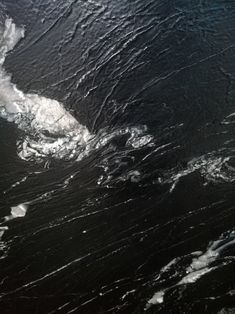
(19, 210)
(49, 128)
(202, 263)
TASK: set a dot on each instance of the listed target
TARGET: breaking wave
(48, 128)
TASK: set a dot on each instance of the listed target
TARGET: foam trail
(34, 113)
(18, 211)
(201, 264)
(3, 246)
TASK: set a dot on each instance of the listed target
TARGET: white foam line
(52, 273)
(17, 211)
(2, 231)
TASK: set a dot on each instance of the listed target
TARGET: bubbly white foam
(9, 36)
(2, 231)
(19, 210)
(3, 246)
(157, 298)
(50, 128)
(201, 264)
(211, 167)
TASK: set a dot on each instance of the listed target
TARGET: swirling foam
(49, 127)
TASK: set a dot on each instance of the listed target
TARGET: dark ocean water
(133, 209)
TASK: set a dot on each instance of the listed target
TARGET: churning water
(117, 164)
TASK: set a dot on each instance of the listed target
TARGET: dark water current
(132, 208)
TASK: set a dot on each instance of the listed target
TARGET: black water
(99, 231)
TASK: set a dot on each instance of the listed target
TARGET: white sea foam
(211, 167)
(3, 246)
(50, 128)
(156, 299)
(202, 263)
(19, 210)
(9, 36)
(2, 231)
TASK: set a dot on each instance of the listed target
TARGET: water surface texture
(117, 163)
